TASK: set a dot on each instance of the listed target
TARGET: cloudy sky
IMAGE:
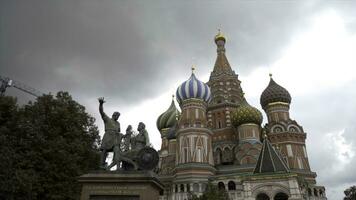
(136, 53)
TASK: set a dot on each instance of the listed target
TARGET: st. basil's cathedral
(218, 138)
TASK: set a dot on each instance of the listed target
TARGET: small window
(221, 186)
(315, 192)
(231, 185)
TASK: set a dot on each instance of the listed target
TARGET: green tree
(44, 146)
(350, 193)
(212, 192)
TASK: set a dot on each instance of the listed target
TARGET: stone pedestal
(104, 185)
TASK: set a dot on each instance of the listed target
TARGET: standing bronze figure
(112, 132)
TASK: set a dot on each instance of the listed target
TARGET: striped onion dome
(245, 114)
(193, 88)
(169, 118)
(274, 93)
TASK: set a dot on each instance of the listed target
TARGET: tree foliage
(44, 146)
(350, 193)
(212, 192)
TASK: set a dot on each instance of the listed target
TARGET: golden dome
(219, 36)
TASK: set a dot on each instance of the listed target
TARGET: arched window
(231, 185)
(315, 192)
(181, 188)
(310, 192)
(321, 193)
(281, 196)
(221, 186)
(262, 196)
(227, 156)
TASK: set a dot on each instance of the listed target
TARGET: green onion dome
(246, 114)
(169, 118)
(274, 93)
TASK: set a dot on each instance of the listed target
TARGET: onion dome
(193, 88)
(219, 36)
(169, 118)
(274, 93)
(245, 114)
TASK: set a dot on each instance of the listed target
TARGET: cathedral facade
(218, 138)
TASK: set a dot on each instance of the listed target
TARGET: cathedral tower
(284, 133)
(194, 161)
(247, 120)
(226, 96)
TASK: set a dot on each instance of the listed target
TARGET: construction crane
(7, 82)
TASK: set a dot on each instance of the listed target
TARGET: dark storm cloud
(131, 50)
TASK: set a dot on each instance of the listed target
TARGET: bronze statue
(112, 132)
(141, 140)
(130, 152)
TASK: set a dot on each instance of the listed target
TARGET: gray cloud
(117, 47)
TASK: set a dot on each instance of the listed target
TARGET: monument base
(107, 185)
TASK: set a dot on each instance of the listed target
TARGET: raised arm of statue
(101, 108)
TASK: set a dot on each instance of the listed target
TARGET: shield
(147, 158)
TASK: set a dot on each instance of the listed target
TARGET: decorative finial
(193, 68)
(270, 75)
(219, 36)
(173, 97)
